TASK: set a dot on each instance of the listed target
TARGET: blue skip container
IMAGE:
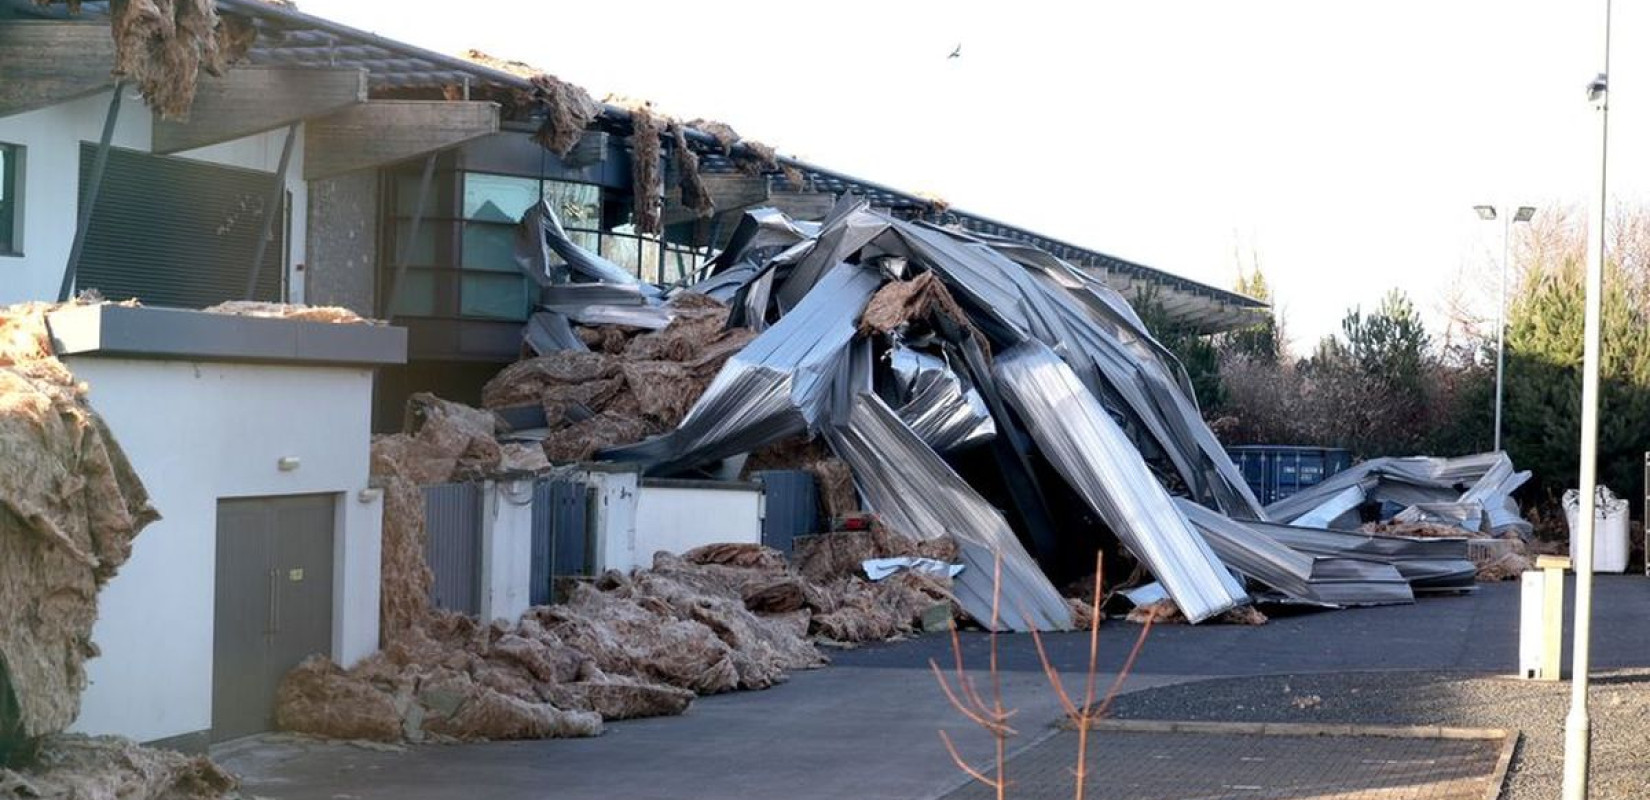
(1274, 472)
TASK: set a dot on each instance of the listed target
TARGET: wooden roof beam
(381, 132)
(252, 100)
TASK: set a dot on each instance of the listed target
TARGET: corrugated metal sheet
(452, 513)
(1097, 459)
(790, 507)
(561, 536)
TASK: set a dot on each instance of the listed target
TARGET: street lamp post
(1578, 725)
(1488, 213)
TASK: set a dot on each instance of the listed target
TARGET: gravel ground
(1619, 707)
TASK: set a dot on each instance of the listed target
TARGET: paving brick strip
(1176, 760)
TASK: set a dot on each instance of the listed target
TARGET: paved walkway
(1243, 765)
(866, 727)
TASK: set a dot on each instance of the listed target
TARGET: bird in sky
(957, 53)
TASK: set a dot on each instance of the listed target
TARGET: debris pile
(634, 384)
(290, 311)
(70, 507)
(716, 619)
(957, 383)
(112, 768)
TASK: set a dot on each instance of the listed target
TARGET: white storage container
(1610, 543)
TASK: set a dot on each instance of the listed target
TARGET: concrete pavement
(866, 726)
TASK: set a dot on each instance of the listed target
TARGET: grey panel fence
(452, 514)
(790, 509)
(561, 536)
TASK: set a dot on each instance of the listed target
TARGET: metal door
(452, 545)
(560, 536)
(273, 603)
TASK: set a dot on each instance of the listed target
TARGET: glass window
(489, 246)
(578, 205)
(498, 198)
(423, 249)
(415, 297)
(11, 185)
(484, 294)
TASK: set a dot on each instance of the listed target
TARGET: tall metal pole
(1501, 323)
(1577, 727)
(89, 201)
(277, 204)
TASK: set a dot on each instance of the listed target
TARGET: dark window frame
(11, 199)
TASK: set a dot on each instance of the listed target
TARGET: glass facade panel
(415, 297)
(579, 205)
(489, 246)
(493, 296)
(498, 198)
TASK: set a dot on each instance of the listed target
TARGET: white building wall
(677, 519)
(507, 550)
(615, 518)
(197, 432)
(51, 184)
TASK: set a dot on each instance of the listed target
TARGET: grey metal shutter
(452, 546)
(174, 232)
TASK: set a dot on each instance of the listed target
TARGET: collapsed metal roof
(291, 38)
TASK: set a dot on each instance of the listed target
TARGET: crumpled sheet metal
(545, 254)
(1485, 481)
(1115, 358)
(548, 331)
(918, 495)
(783, 383)
(937, 403)
(1086, 446)
(1302, 577)
(1429, 564)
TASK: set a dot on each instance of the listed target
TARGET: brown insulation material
(78, 767)
(568, 110)
(665, 390)
(565, 404)
(828, 556)
(318, 695)
(581, 440)
(720, 131)
(520, 69)
(523, 457)
(641, 637)
(719, 618)
(162, 45)
(763, 649)
(695, 196)
(1165, 612)
(523, 383)
(405, 577)
(236, 36)
(609, 339)
(836, 487)
(621, 698)
(647, 180)
(756, 159)
(923, 298)
(631, 385)
(70, 506)
(301, 313)
(443, 441)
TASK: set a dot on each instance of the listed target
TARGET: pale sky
(1344, 143)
